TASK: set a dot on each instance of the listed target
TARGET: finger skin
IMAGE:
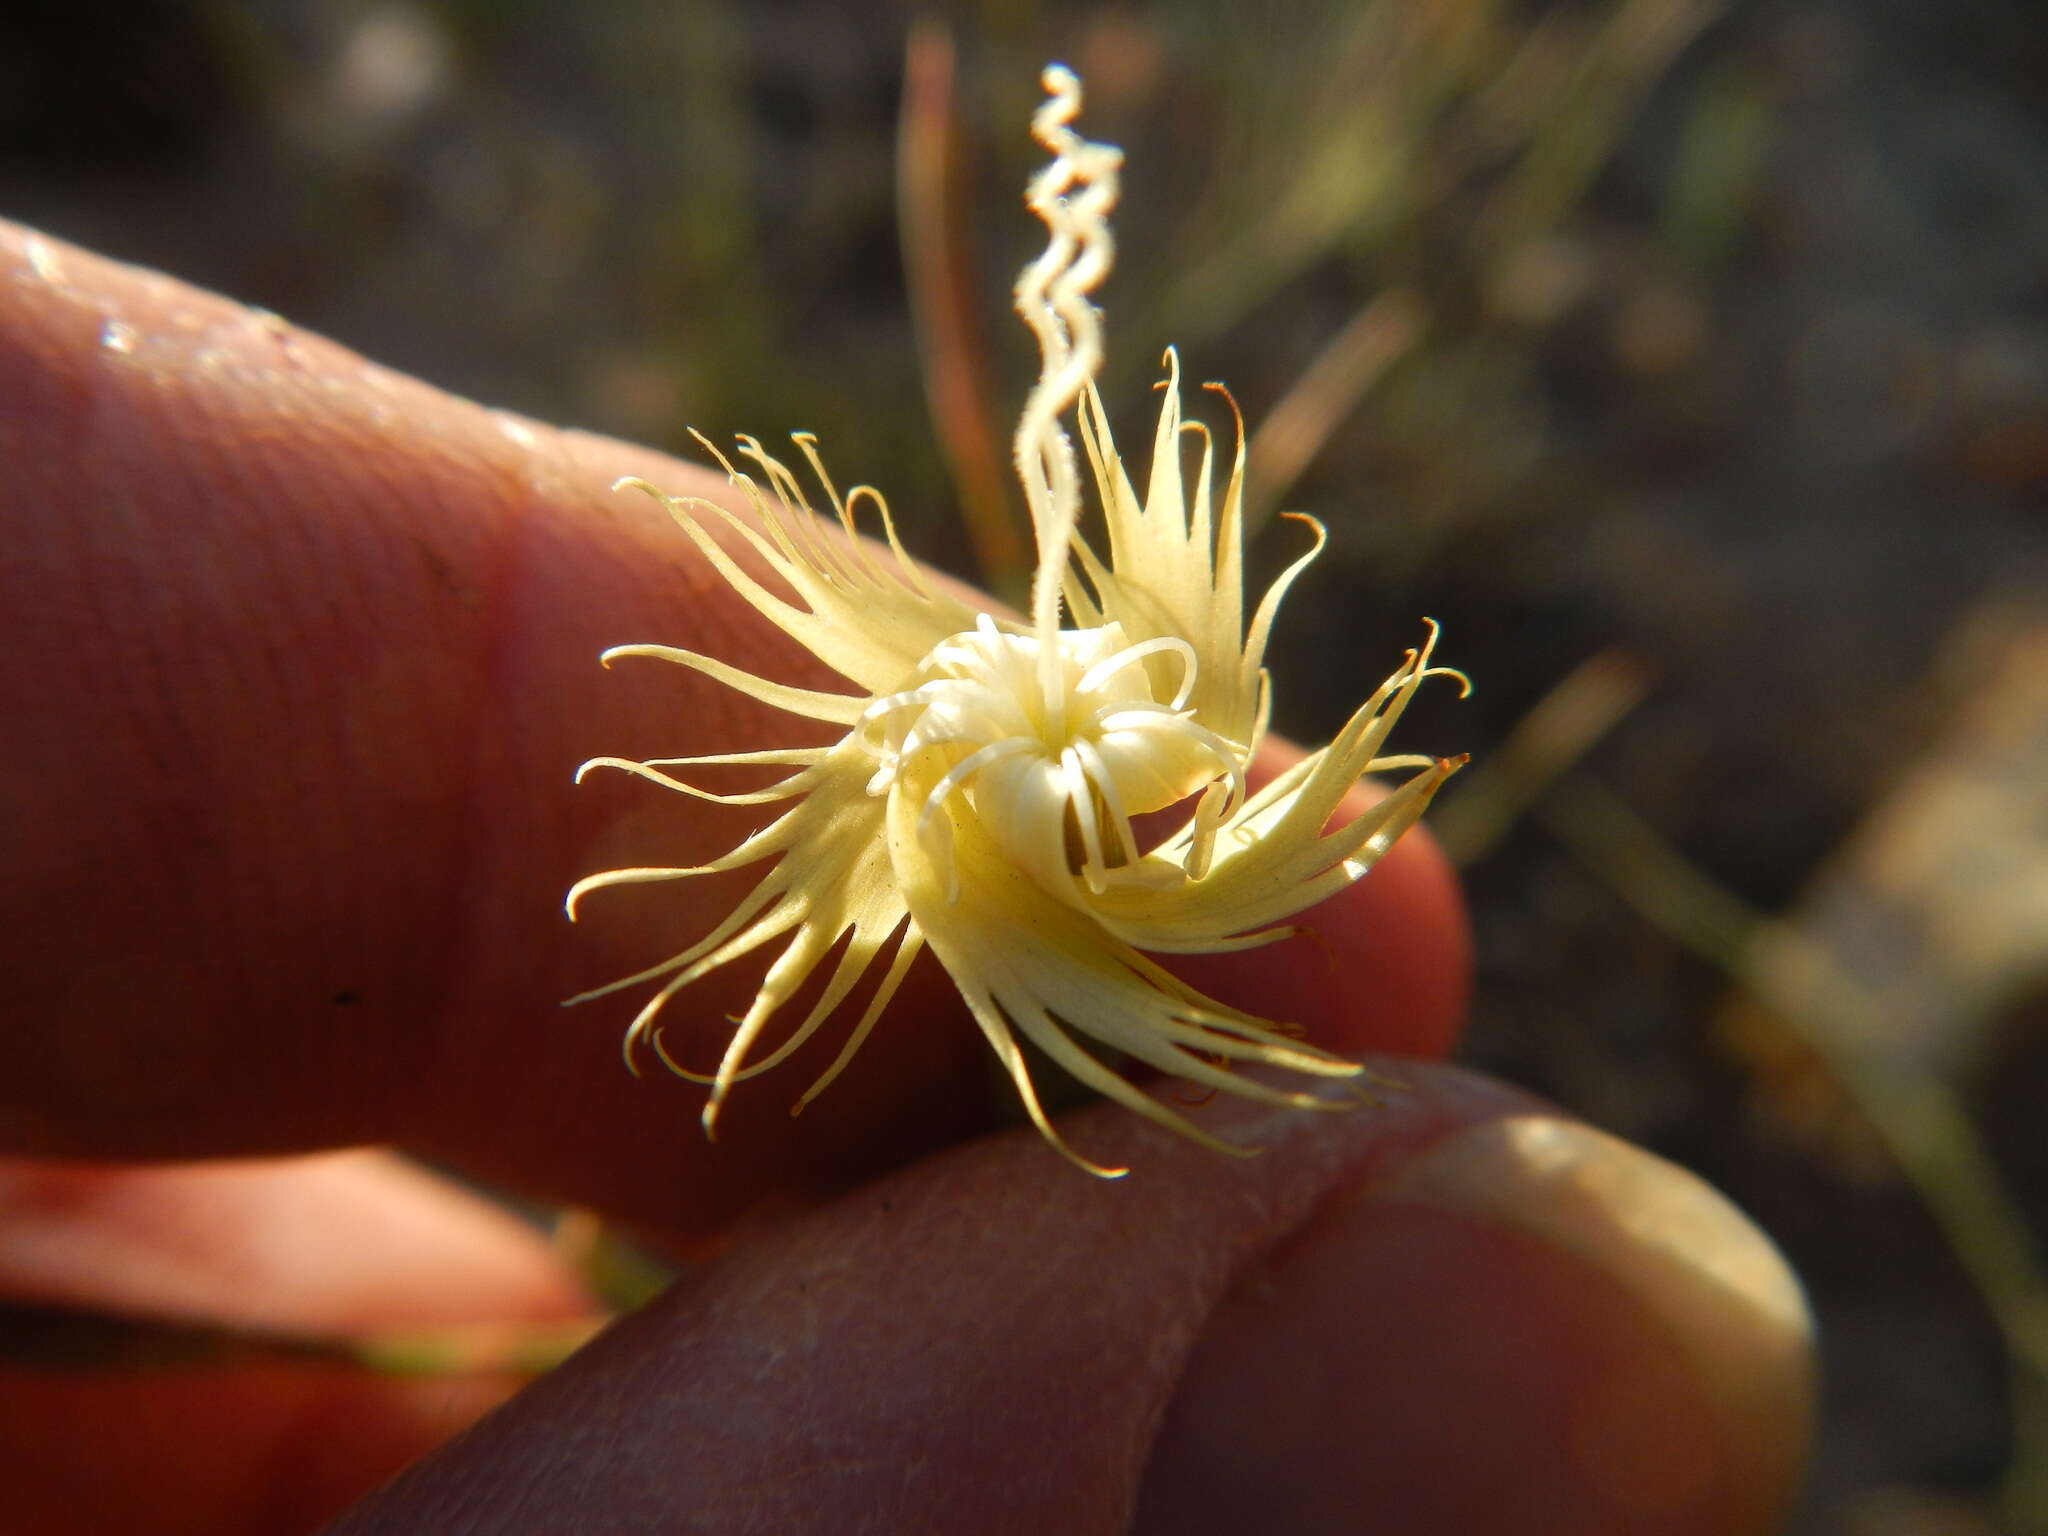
(336, 1246)
(1301, 1342)
(331, 1245)
(245, 1452)
(306, 655)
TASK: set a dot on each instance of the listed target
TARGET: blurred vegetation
(1690, 362)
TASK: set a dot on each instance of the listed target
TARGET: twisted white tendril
(1074, 196)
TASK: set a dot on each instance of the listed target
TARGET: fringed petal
(1175, 560)
(838, 708)
(795, 784)
(869, 626)
(831, 882)
(1028, 961)
(1274, 858)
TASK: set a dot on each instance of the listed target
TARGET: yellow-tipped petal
(838, 708)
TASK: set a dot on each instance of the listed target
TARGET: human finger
(1459, 1312)
(168, 1311)
(305, 652)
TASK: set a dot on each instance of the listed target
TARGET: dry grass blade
(952, 354)
(1545, 744)
(1327, 392)
(1573, 128)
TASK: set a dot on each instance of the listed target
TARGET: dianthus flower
(983, 798)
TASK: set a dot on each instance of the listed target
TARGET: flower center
(1054, 762)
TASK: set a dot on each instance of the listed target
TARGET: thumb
(1459, 1311)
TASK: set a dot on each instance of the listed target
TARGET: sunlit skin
(297, 658)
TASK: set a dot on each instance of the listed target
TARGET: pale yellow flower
(981, 799)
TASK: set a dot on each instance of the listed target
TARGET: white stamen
(1104, 670)
(1110, 749)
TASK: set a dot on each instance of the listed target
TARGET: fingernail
(1531, 1327)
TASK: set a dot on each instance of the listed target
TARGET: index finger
(304, 651)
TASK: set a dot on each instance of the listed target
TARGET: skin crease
(305, 653)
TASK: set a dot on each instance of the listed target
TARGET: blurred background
(1689, 361)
